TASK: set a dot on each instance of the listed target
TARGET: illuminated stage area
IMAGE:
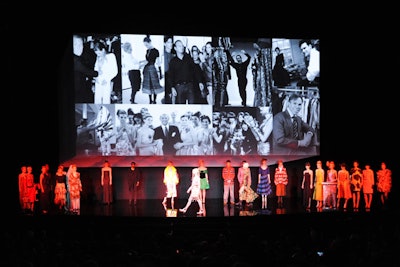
(152, 191)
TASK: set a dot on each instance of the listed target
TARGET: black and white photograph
(97, 68)
(143, 130)
(95, 133)
(243, 131)
(232, 88)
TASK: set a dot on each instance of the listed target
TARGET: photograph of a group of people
(142, 130)
(249, 96)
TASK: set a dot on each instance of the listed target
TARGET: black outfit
(249, 143)
(200, 96)
(46, 196)
(135, 78)
(134, 177)
(307, 191)
(221, 75)
(279, 73)
(170, 140)
(220, 147)
(241, 73)
(183, 75)
(83, 75)
(167, 58)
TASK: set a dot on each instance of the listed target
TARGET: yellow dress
(318, 190)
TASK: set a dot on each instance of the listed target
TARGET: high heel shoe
(182, 210)
(200, 212)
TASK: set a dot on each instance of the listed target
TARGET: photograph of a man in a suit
(168, 133)
(289, 139)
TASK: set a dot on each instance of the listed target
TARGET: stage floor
(213, 208)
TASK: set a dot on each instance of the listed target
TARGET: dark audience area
(295, 240)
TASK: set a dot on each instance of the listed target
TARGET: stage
(214, 208)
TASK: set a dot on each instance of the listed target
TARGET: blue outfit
(264, 186)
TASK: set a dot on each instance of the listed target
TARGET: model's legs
(222, 97)
(345, 203)
(334, 200)
(226, 191)
(172, 202)
(366, 200)
(200, 206)
(184, 209)
(369, 200)
(356, 199)
(210, 95)
(242, 92)
(263, 202)
(133, 95)
(231, 194)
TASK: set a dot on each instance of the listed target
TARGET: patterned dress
(75, 186)
(30, 188)
(104, 128)
(151, 79)
(60, 190)
(281, 181)
(123, 145)
(246, 193)
(384, 181)
(356, 179)
(331, 190)
(262, 77)
(264, 186)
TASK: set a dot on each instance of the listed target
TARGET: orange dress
(318, 189)
(343, 184)
(384, 181)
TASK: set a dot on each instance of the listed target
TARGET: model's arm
(311, 180)
(313, 66)
(110, 176)
(249, 179)
(41, 182)
(80, 67)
